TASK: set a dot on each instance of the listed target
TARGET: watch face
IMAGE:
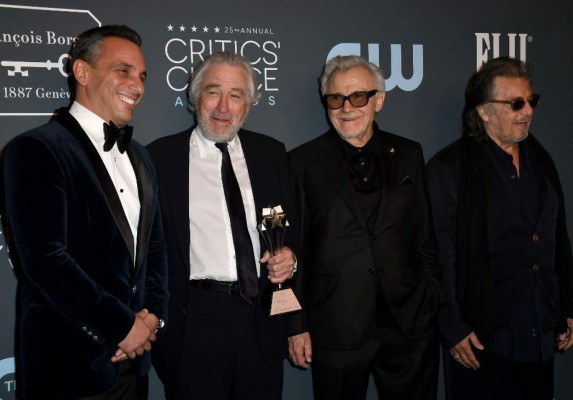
(160, 324)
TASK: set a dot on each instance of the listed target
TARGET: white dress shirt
(117, 164)
(212, 253)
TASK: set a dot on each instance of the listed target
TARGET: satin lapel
(145, 192)
(176, 185)
(335, 167)
(103, 178)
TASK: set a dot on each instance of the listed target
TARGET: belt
(216, 286)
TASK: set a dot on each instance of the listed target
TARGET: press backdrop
(428, 49)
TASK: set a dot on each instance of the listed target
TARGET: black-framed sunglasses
(357, 99)
(518, 103)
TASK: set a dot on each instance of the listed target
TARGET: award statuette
(273, 230)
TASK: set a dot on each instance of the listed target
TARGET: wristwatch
(160, 325)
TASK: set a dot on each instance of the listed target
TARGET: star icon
(217, 29)
(170, 27)
(182, 28)
(205, 29)
(193, 28)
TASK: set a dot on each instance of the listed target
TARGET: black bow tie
(114, 134)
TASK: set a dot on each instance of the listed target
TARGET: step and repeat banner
(428, 50)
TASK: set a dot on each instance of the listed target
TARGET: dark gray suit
(347, 266)
(268, 173)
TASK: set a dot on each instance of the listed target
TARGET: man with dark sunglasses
(500, 222)
(369, 275)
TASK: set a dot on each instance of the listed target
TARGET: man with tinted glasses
(500, 223)
(369, 278)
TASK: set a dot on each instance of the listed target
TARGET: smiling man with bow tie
(85, 231)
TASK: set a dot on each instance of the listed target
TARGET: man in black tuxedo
(500, 223)
(84, 229)
(221, 343)
(369, 279)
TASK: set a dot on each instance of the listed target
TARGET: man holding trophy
(222, 188)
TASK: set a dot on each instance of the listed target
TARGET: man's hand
(281, 266)
(151, 321)
(565, 339)
(137, 341)
(300, 350)
(463, 353)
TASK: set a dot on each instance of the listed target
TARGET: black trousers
(130, 385)
(402, 369)
(498, 378)
(221, 358)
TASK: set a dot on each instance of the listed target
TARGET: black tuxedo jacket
(342, 259)
(268, 172)
(80, 287)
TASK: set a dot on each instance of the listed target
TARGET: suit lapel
(335, 167)
(176, 180)
(256, 162)
(103, 179)
(145, 192)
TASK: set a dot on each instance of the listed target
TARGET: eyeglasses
(357, 99)
(518, 103)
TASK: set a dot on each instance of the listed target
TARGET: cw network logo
(396, 79)
(489, 45)
(7, 379)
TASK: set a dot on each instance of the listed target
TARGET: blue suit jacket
(68, 234)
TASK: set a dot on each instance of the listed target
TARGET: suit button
(184, 311)
(535, 237)
(535, 267)
(372, 271)
(134, 289)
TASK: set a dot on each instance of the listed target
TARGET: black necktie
(114, 134)
(246, 269)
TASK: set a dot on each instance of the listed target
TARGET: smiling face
(223, 103)
(112, 87)
(354, 124)
(503, 125)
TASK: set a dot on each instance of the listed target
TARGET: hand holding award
(273, 230)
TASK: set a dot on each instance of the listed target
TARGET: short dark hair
(87, 46)
(480, 88)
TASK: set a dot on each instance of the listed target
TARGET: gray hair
(346, 63)
(222, 57)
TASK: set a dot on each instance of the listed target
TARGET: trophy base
(283, 301)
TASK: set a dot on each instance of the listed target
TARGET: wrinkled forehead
(511, 87)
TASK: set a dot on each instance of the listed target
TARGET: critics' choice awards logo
(34, 46)
(493, 45)
(7, 379)
(190, 44)
(396, 79)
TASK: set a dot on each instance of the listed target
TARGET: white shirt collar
(205, 145)
(90, 122)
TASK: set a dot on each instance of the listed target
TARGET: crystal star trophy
(281, 300)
